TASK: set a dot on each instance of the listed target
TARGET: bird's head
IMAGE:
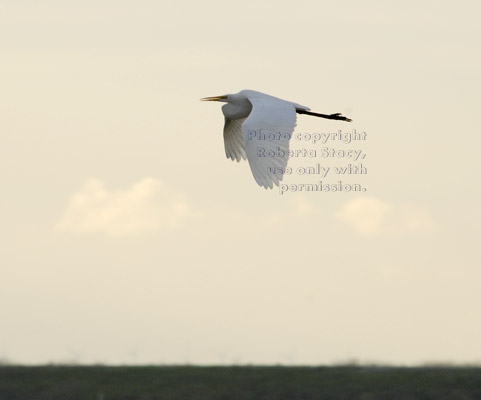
(223, 98)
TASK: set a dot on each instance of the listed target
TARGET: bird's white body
(240, 104)
(257, 126)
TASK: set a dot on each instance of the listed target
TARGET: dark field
(279, 383)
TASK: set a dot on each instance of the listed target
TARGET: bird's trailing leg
(337, 116)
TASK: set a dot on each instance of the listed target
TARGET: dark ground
(239, 383)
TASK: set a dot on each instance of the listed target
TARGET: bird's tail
(337, 116)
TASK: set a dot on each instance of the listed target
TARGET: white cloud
(414, 219)
(371, 216)
(364, 214)
(148, 206)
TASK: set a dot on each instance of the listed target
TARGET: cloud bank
(147, 206)
(371, 216)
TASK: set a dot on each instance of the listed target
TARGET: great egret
(258, 126)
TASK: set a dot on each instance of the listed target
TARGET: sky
(129, 238)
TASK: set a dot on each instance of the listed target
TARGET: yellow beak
(214, 98)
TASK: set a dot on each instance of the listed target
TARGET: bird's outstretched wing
(235, 147)
(266, 133)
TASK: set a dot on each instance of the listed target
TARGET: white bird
(259, 126)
